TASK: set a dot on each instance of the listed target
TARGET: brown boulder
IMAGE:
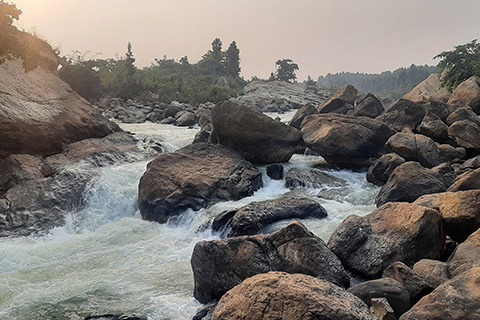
(278, 295)
(381, 169)
(405, 115)
(191, 177)
(467, 181)
(40, 113)
(257, 137)
(347, 93)
(466, 134)
(456, 299)
(394, 232)
(433, 271)
(415, 147)
(432, 126)
(335, 106)
(345, 139)
(462, 114)
(466, 255)
(301, 113)
(220, 265)
(428, 89)
(20, 167)
(408, 182)
(467, 94)
(367, 105)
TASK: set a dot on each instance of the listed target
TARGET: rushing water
(106, 259)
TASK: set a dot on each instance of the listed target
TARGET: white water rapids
(106, 259)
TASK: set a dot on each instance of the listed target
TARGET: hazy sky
(321, 36)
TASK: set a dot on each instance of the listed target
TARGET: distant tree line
(214, 78)
(386, 84)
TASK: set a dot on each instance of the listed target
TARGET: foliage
(233, 59)
(459, 64)
(386, 84)
(285, 70)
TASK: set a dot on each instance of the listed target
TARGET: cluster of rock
(176, 113)
(417, 260)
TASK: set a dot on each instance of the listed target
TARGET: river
(106, 259)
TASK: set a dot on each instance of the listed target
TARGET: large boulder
(257, 137)
(381, 169)
(311, 178)
(427, 90)
(301, 113)
(466, 255)
(367, 105)
(415, 147)
(460, 212)
(394, 232)
(395, 293)
(408, 182)
(345, 139)
(466, 134)
(278, 295)
(432, 126)
(405, 115)
(255, 216)
(220, 265)
(347, 94)
(39, 113)
(191, 177)
(467, 94)
(456, 299)
(20, 167)
(467, 181)
(434, 272)
(335, 106)
(461, 114)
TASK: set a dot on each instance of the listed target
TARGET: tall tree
(459, 64)
(217, 50)
(286, 70)
(233, 59)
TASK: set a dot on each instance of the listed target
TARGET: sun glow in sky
(321, 36)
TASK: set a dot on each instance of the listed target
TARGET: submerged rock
(193, 176)
(279, 295)
(257, 137)
(220, 265)
(394, 232)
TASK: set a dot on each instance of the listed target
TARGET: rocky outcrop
(257, 137)
(191, 177)
(311, 178)
(467, 94)
(415, 147)
(345, 139)
(383, 167)
(278, 295)
(405, 115)
(394, 232)
(220, 265)
(427, 90)
(40, 113)
(466, 255)
(458, 298)
(408, 182)
(395, 293)
(277, 96)
(255, 216)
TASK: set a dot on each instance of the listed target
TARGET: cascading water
(106, 259)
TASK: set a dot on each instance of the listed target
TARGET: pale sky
(321, 36)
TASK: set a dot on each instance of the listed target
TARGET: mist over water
(106, 259)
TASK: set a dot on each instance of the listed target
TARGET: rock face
(415, 147)
(458, 298)
(278, 295)
(257, 137)
(428, 89)
(466, 255)
(278, 96)
(394, 232)
(467, 94)
(219, 265)
(40, 113)
(408, 182)
(191, 177)
(395, 293)
(345, 139)
(255, 216)
(461, 213)
(381, 169)
(405, 115)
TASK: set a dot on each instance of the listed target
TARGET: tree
(286, 70)
(8, 13)
(460, 64)
(217, 50)
(233, 59)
